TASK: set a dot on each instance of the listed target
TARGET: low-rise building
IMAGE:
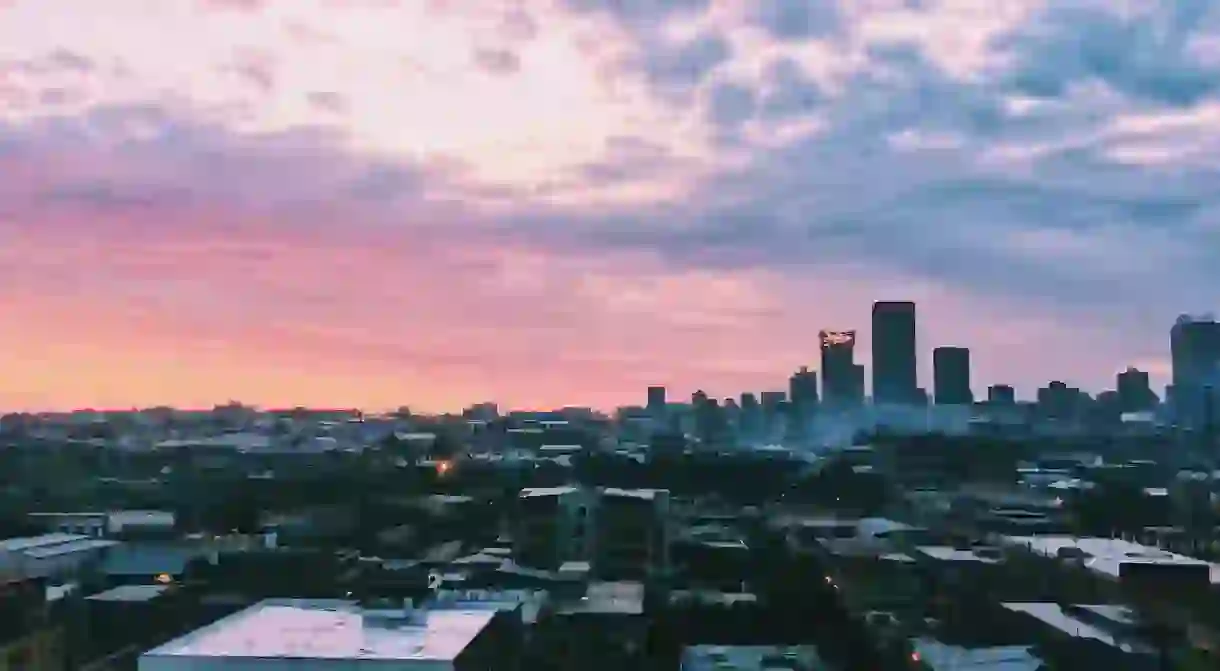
(331, 634)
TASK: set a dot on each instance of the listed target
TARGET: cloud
(235, 5)
(329, 101)
(730, 105)
(683, 65)
(1143, 55)
(656, 190)
(497, 61)
(796, 19)
(790, 92)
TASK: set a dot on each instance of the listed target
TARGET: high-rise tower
(1195, 349)
(895, 372)
(840, 389)
(951, 376)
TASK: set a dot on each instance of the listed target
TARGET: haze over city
(549, 202)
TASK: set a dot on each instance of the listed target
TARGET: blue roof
(69, 548)
(150, 559)
(28, 542)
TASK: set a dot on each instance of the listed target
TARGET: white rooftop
(1106, 554)
(30, 542)
(936, 655)
(531, 492)
(1053, 615)
(949, 553)
(130, 593)
(329, 630)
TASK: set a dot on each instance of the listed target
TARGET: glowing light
(443, 467)
(835, 338)
(164, 579)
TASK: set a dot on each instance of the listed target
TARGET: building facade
(895, 367)
(951, 376)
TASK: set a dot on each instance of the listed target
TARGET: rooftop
(71, 547)
(1105, 555)
(948, 553)
(618, 598)
(130, 593)
(937, 655)
(645, 494)
(1072, 624)
(331, 629)
(31, 542)
(750, 658)
(531, 492)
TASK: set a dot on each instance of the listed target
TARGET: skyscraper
(1195, 348)
(1134, 391)
(839, 385)
(895, 375)
(656, 401)
(803, 390)
(951, 376)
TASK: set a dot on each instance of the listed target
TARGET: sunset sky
(547, 202)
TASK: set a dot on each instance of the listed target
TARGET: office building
(333, 634)
(803, 391)
(656, 400)
(895, 369)
(858, 377)
(622, 533)
(1001, 394)
(1195, 350)
(1059, 401)
(656, 407)
(951, 376)
(842, 378)
(631, 539)
(1134, 391)
(772, 404)
(552, 526)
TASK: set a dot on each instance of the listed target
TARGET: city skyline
(550, 202)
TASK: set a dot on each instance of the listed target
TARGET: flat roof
(1054, 616)
(1105, 555)
(949, 553)
(84, 545)
(28, 542)
(645, 494)
(531, 492)
(937, 655)
(751, 658)
(132, 593)
(618, 598)
(332, 629)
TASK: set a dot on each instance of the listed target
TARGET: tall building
(858, 378)
(803, 390)
(656, 402)
(951, 376)
(840, 388)
(551, 526)
(751, 416)
(895, 371)
(622, 532)
(772, 403)
(1195, 349)
(1134, 391)
(631, 538)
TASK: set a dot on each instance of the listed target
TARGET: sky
(433, 203)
